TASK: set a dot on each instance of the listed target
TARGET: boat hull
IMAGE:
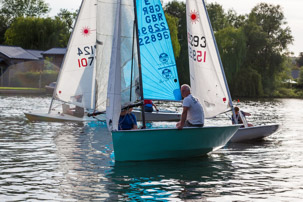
(60, 117)
(153, 144)
(254, 133)
(56, 117)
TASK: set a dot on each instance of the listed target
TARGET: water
(74, 162)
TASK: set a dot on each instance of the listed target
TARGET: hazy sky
(292, 10)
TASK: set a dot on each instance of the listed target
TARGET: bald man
(192, 114)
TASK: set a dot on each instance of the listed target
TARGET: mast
(221, 65)
(139, 66)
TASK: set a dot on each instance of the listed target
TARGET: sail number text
(153, 26)
(196, 46)
(88, 56)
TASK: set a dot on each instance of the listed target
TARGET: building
(15, 59)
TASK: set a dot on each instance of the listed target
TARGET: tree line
(253, 47)
(24, 23)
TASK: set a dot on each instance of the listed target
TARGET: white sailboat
(141, 39)
(76, 84)
(207, 74)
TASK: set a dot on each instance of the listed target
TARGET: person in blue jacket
(127, 120)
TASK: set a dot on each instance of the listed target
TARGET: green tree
(217, 16)
(267, 36)
(37, 33)
(24, 8)
(12, 9)
(232, 48)
(178, 10)
(300, 60)
(67, 17)
(173, 28)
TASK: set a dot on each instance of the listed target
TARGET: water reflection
(169, 180)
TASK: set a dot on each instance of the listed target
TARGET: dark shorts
(148, 109)
(188, 124)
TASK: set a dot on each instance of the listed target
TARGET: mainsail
(117, 69)
(76, 83)
(206, 71)
(159, 71)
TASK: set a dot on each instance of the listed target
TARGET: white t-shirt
(195, 113)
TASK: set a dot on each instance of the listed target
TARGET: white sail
(206, 70)
(106, 21)
(123, 65)
(75, 83)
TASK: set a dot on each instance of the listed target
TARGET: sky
(292, 10)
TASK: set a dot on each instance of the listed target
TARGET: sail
(121, 65)
(159, 72)
(207, 76)
(75, 83)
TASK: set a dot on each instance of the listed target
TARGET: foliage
(67, 17)
(267, 37)
(232, 47)
(173, 27)
(247, 83)
(13, 9)
(37, 33)
(300, 60)
(178, 10)
(300, 79)
(32, 78)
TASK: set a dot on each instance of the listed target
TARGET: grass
(18, 88)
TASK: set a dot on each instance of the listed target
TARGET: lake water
(74, 162)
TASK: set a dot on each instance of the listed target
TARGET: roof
(55, 51)
(36, 53)
(15, 52)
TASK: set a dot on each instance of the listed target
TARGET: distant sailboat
(142, 66)
(207, 75)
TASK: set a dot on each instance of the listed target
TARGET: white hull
(59, 117)
(158, 116)
(254, 133)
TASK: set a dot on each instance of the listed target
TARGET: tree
(67, 17)
(12, 9)
(300, 60)
(217, 16)
(37, 33)
(267, 36)
(178, 10)
(232, 48)
(24, 8)
(173, 28)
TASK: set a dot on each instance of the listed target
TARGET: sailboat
(253, 133)
(207, 75)
(76, 84)
(142, 66)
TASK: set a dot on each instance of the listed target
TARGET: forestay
(159, 72)
(75, 83)
(206, 70)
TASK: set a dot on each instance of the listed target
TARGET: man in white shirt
(192, 114)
